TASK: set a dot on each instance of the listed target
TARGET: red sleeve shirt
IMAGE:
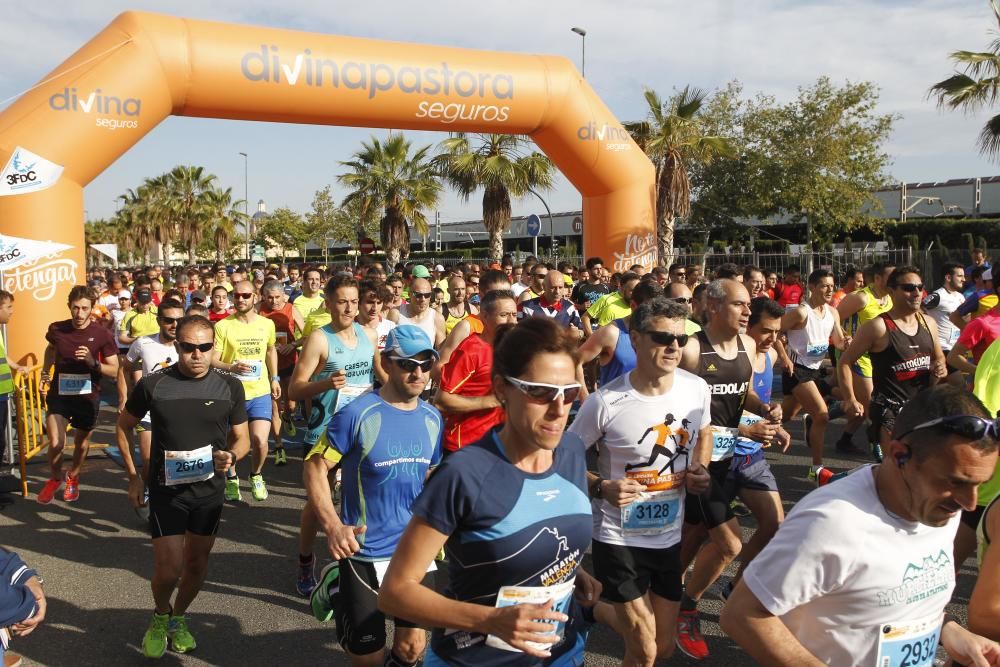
(980, 333)
(467, 373)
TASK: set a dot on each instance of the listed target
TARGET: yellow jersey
(247, 342)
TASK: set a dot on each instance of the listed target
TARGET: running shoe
(321, 599)
(689, 638)
(280, 458)
(233, 489)
(307, 577)
(845, 445)
(181, 639)
(71, 493)
(821, 475)
(738, 508)
(49, 491)
(836, 409)
(154, 642)
(288, 426)
(877, 452)
(258, 488)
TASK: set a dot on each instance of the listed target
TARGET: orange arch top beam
(145, 67)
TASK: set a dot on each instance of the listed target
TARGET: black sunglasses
(243, 295)
(410, 365)
(967, 426)
(169, 320)
(421, 295)
(682, 299)
(910, 288)
(664, 338)
(191, 347)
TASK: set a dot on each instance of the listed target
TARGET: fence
(31, 410)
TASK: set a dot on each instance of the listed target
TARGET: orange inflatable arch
(144, 67)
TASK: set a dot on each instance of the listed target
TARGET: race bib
(909, 643)
(75, 384)
(953, 338)
(188, 467)
(723, 442)
(653, 514)
(256, 370)
(817, 351)
(348, 393)
(561, 596)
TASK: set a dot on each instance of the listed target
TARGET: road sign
(258, 254)
(367, 246)
(577, 225)
(533, 225)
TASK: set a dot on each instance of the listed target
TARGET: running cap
(124, 294)
(143, 295)
(439, 268)
(408, 340)
(198, 295)
(420, 271)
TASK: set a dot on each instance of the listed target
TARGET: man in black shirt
(199, 426)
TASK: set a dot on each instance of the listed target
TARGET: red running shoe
(689, 639)
(49, 491)
(72, 491)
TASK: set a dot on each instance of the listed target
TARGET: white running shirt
(848, 578)
(626, 425)
(153, 354)
(939, 305)
(810, 344)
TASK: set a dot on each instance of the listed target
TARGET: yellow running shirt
(306, 304)
(236, 341)
(317, 319)
(987, 388)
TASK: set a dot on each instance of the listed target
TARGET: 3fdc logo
(23, 172)
(27, 172)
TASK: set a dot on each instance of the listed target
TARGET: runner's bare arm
(851, 304)
(599, 345)
(439, 330)
(123, 436)
(271, 361)
(958, 319)
(690, 355)
(341, 540)
(939, 367)
(984, 605)
(957, 358)
(238, 441)
(762, 634)
(860, 345)
(311, 360)
(381, 376)
(403, 595)
(795, 319)
(702, 453)
(109, 366)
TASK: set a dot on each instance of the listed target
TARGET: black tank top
(728, 380)
(904, 367)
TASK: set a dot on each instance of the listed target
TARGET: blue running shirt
(507, 527)
(359, 364)
(386, 455)
(762, 387)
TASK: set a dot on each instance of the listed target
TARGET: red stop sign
(367, 246)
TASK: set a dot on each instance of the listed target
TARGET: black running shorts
(80, 411)
(800, 375)
(360, 625)
(713, 507)
(177, 514)
(626, 573)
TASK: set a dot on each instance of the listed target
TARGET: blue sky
(771, 47)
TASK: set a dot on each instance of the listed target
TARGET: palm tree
(501, 165)
(140, 235)
(188, 189)
(671, 136)
(224, 215)
(386, 178)
(976, 87)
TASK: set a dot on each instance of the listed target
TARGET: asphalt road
(96, 559)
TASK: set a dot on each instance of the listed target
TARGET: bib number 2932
(908, 644)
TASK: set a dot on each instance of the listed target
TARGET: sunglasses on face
(682, 299)
(910, 288)
(540, 392)
(667, 339)
(191, 347)
(169, 320)
(539, 275)
(421, 295)
(967, 426)
(411, 365)
(680, 274)
(242, 295)
(475, 284)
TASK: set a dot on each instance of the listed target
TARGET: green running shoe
(321, 598)
(280, 458)
(154, 642)
(181, 639)
(258, 488)
(288, 426)
(233, 489)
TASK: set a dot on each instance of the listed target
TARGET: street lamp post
(583, 50)
(246, 203)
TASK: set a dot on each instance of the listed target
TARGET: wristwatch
(598, 490)
(275, 378)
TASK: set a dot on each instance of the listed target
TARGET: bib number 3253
(188, 467)
(909, 643)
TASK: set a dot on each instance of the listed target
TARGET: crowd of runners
(500, 421)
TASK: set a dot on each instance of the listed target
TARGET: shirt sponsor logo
(728, 388)
(935, 574)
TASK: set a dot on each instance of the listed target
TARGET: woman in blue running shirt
(513, 514)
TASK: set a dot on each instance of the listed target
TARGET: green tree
(186, 204)
(672, 137)
(503, 166)
(388, 179)
(224, 215)
(976, 86)
(345, 224)
(284, 228)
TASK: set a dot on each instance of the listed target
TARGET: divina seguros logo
(269, 65)
(616, 138)
(125, 109)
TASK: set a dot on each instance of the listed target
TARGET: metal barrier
(31, 411)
